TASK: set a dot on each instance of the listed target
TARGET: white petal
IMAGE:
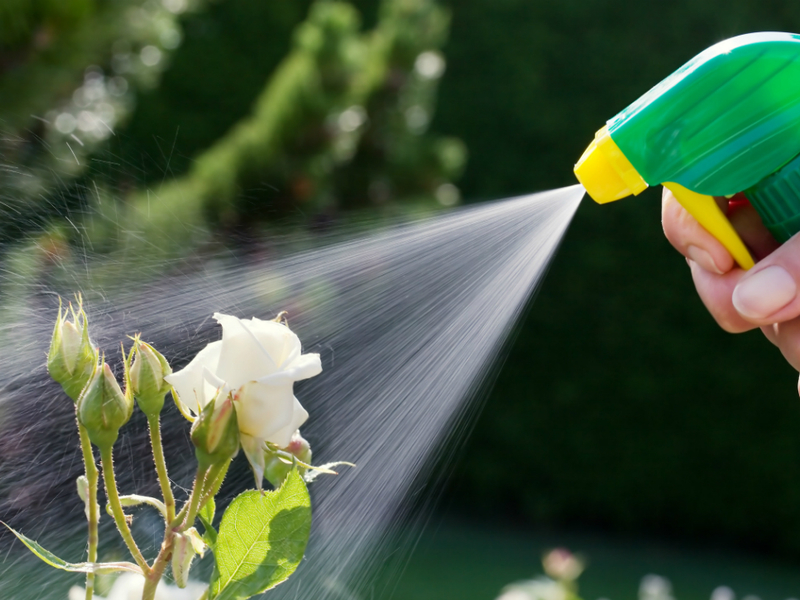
(283, 437)
(304, 367)
(189, 382)
(243, 357)
(262, 409)
(212, 379)
(254, 451)
(281, 342)
(70, 344)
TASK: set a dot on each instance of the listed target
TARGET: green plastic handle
(724, 123)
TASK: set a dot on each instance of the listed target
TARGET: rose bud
(72, 356)
(215, 433)
(277, 469)
(102, 407)
(561, 564)
(147, 378)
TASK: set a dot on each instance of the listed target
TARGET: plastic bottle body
(726, 120)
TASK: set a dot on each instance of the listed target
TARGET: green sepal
(186, 546)
(261, 540)
(206, 516)
(278, 462)
(136, 500)
(59, 563)
(215, 433)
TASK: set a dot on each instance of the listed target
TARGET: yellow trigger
(707, 212)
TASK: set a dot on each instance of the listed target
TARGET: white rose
(257, 362)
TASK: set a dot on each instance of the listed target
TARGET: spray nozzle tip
(605, 172)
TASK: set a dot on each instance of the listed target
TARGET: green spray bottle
(728, 121)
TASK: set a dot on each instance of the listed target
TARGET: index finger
(692, 239)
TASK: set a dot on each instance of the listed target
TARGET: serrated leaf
(59, 563)
(261, 540)
(206, 516)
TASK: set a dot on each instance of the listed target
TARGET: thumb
(770, 291)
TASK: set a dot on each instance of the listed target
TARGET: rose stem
(176, 524)
(165, 553)
(197, 491)
(107, 460)
(91, 476)
(153, 578)
(194, 503)
(215, 478)
(154, 424)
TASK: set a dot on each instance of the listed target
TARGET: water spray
(409, 321)
(726, 122)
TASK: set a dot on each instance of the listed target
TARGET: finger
(768, 293)
(691, 239)
(787, 339)
(770, 332)
(747, 222)
(715, 291)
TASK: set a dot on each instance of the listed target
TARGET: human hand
(766, 296)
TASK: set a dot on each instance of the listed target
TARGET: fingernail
(703, 258)
(764, 293)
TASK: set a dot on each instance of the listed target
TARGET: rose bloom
(257, 363)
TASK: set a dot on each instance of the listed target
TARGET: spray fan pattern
(408, 322)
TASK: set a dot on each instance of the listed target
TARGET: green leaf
(59, 563)
(262, 539)
(206, 515)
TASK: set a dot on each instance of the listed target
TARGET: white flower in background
(723, 592)
(655, 587)
(129, 586)
(542, 588)
(257, 363)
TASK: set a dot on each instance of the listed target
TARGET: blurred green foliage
(330, 116)
(68, 72)
(22, 20)
(334, 128)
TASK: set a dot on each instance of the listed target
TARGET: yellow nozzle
(605, 172)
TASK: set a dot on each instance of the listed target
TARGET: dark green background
(620, 405)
